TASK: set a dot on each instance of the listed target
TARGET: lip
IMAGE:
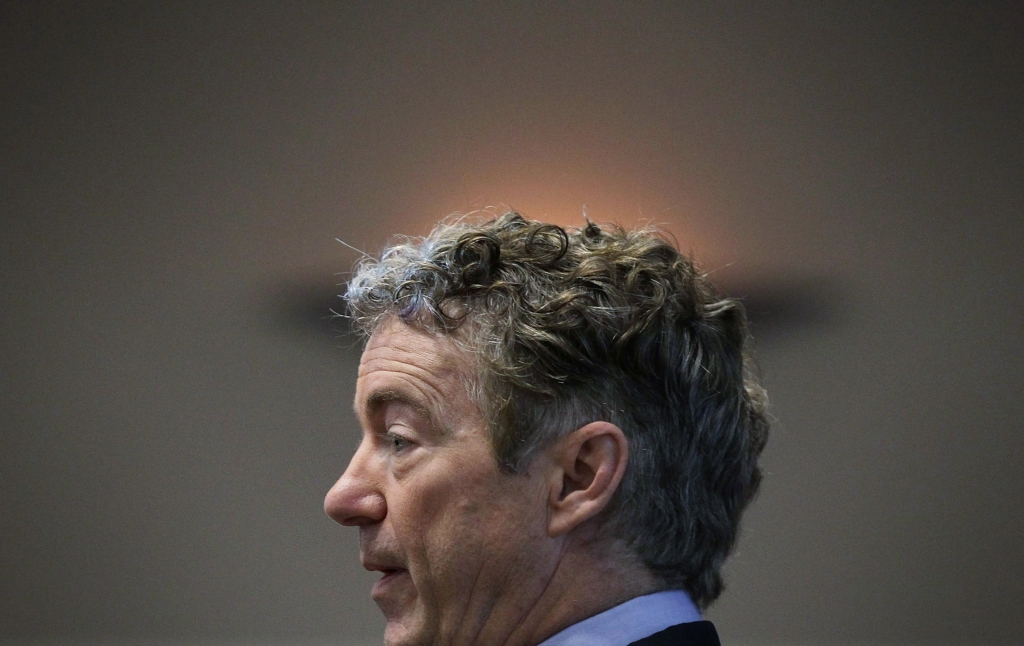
(392, 577)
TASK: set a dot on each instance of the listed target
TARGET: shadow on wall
(775, 308)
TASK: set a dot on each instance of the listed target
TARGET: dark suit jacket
(698, 633)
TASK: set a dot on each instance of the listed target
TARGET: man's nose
(355, 500)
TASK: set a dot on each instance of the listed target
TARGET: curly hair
(578, 325)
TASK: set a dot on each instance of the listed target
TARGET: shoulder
(697, 633)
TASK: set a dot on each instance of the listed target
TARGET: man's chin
(397, 633)
(396, 597)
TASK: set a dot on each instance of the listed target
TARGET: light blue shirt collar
(630, 621)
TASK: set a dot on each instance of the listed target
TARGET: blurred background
(175, 400)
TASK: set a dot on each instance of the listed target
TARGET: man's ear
(589, 464)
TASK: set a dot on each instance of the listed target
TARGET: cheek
(485, 531)
(455, 526)
(460, 524)
(439, 515)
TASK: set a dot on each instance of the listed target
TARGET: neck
(586, 581)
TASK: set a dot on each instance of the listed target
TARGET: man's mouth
(391, 577)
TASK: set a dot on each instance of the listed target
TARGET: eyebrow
(380, 399)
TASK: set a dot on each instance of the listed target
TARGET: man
(559, 437)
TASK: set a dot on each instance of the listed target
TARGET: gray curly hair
(578, 325)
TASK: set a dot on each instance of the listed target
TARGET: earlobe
(590, 463)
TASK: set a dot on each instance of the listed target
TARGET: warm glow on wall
(558, 191)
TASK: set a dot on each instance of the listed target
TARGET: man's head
(528, 391)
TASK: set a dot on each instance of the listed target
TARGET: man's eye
(398, 443)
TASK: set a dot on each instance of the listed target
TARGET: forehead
(417, 364)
